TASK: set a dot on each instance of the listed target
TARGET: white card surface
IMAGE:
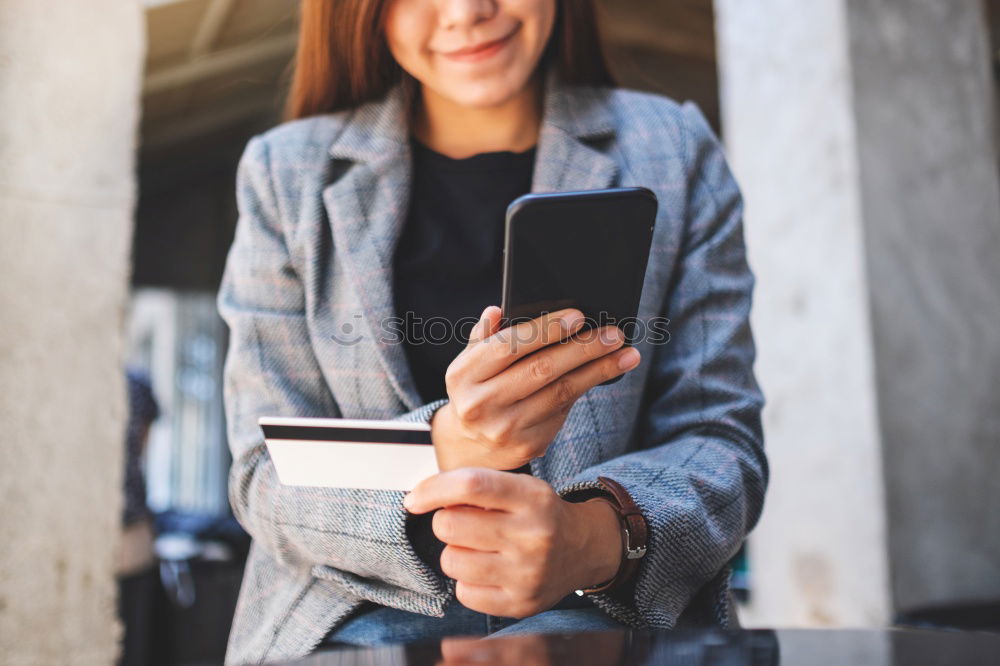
(349, 453)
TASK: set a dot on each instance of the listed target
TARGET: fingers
(477, 486)
(471, 566)
(558, 396)
(532, 373)
(489, 322)
(492, 600)
(469, 527)
(496, 352)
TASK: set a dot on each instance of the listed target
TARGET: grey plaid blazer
(322, 201)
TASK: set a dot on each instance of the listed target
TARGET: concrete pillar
(70, 76)
(860, 131)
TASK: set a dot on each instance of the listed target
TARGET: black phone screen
(586, 250)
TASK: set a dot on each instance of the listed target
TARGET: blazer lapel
(367, 206)
(574, 121)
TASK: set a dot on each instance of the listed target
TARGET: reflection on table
(758, 647)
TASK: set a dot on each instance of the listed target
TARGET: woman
(412, 124)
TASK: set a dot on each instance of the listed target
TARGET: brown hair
(342, 58)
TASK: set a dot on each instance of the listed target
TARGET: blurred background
(864, 136)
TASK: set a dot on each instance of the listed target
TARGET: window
(180, 340)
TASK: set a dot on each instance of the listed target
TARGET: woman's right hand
(510, 390)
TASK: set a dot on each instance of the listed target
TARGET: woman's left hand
(514, 546)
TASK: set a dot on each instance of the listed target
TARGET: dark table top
(758, 647)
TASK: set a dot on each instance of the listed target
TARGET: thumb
(489, 322)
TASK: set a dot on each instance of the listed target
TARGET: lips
(481, 50)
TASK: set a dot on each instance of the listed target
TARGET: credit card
(349, 453)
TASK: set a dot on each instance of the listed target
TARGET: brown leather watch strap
(634, 531)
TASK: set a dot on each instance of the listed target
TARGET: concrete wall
(69, 92)
(859, 130)
(819, 554)
(931, 200)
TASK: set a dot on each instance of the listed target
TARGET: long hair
(343, 60)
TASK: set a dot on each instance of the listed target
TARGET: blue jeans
(380, 625)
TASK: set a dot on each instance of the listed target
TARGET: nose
(458, 13)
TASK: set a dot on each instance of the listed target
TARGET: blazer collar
(378, 131)
(367, 205)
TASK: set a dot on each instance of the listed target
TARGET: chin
(484, 93)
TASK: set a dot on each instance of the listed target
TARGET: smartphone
(587, 250)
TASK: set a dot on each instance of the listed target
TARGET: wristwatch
(635, 533)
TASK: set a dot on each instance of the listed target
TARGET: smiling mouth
(481, 51)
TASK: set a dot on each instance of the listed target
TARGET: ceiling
(212, 66)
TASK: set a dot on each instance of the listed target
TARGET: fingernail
(407, 502)
(612, 336)
(629, 359)
(570, 321)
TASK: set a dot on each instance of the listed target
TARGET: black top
(448, 265)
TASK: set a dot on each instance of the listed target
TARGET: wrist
(439, 432)
(600, 536)
(443, 433)
(454, 446)
(634, 532)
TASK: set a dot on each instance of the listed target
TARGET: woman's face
(476, 53)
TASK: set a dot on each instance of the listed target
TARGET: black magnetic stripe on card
(340, 434)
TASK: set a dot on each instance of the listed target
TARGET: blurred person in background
(136, 564)
(411, 125)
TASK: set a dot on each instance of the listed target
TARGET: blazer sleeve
(357, 537)
(699, 471)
